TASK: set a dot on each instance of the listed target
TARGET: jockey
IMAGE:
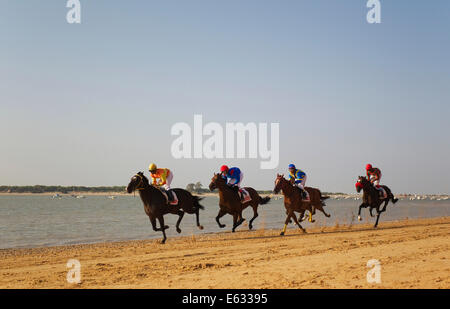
(165, 177)
(234, 177)
(374, 176)
(299, 177)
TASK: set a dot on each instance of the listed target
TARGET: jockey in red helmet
(374, 176)
(234, 178)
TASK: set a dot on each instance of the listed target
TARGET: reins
(141, 182)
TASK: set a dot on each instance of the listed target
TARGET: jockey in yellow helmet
(162, 177)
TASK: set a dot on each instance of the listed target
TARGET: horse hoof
(282, 234)
(304, 231)
(222, 226)
(250, 227)
(166, 227)
(359, 218)
(200, 227)
(178, 231)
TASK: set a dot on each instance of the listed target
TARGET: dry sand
(413, 254)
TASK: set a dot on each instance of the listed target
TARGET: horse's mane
(144, 179)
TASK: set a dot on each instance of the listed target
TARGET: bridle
(141, 182)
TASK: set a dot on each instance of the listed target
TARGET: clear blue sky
(91, 104)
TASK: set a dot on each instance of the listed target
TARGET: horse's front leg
(301, 216)
(235, 216)
(220, 215)
(288, 220)
(363, 205)
(153, 222)
(163, 228)
(237, 220)
(296, 222)
(180, 214)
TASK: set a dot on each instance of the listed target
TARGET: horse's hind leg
(385, 205)
(320, 207)
(197, 217)
(180, 216)
(378, 218)
(163, 228)
(255, 215)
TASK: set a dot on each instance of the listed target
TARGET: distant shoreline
(337, 196)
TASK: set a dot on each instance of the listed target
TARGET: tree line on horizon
(61, 189)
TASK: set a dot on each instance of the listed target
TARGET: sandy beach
(412, 253)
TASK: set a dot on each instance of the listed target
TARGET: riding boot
(170, 195)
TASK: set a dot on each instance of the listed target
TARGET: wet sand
(412, 253)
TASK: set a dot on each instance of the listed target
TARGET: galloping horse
(230, 202)
(293, 201)
(156, 204)
(371, 197)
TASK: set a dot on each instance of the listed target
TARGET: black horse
(371, 197)
(156, 204)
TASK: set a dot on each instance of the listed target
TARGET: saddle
(305, 195)
(243, 194)
(170, 196)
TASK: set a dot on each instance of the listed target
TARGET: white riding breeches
(234, 181)
(168, 181)
(301, 185)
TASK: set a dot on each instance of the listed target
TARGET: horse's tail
(323, 198)
(197, 202)
(390, 195)
(264, 200)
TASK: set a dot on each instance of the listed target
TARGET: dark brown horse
(293, 201)
(230, 202)
(156, 205)
(371, 197)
